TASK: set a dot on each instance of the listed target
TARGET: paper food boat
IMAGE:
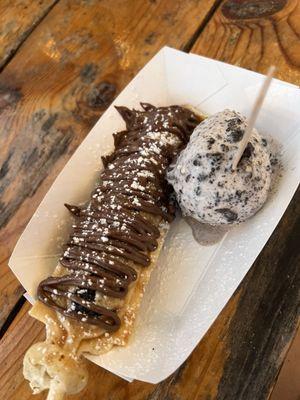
(191, 284)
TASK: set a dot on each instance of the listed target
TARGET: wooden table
(62, 63)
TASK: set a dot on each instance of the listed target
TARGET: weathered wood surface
(241, 354)
(21, 334)
(56, 87)
(269, 37)
(17, 20)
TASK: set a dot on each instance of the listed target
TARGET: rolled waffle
(90, 303)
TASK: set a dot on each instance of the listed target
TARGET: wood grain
(56, 87)
(17, 21)
(242, 352)
(21, 334)
(255, 43)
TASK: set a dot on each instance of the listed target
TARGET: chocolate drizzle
(114, 235)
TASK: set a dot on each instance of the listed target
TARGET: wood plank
(17, 21)
(255, 43)
(287, 385)
(61, 80)
(22, 333)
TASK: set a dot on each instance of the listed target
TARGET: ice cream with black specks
(206, 187)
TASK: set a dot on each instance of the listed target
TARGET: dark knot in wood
(101, 95)
(9, 96)
(247, 9)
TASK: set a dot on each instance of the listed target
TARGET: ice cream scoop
(206, 187)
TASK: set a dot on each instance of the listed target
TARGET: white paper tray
(191, 284)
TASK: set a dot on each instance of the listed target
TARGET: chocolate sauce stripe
(127, 191)
(105, 262)
(93, 238)
(145, 164)
(112, 223)
(107, 287)
(141, 258)
(82, 267)
(105, 318)
(146, 180)
(135, 220)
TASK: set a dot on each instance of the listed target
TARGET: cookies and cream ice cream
(206, 187)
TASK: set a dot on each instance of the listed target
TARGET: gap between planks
(12, 315)
(190, 43)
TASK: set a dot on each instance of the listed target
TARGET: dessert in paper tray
(168, 157)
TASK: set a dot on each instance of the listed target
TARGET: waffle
(90, 303)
